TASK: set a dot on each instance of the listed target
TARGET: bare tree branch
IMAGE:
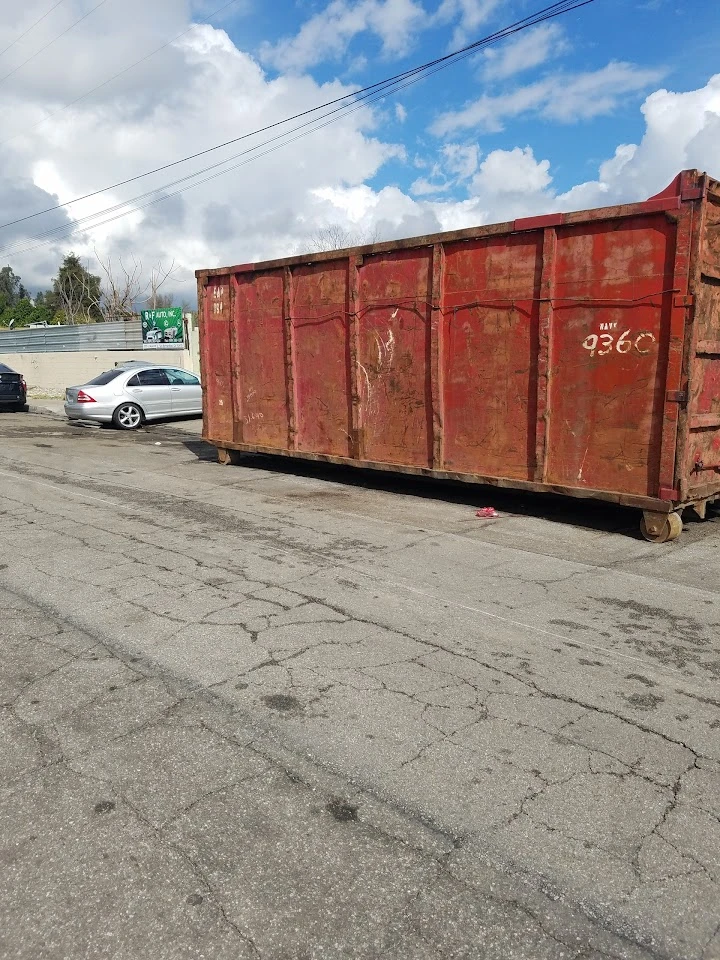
(123, 287)
(334, 236)
(158, 276)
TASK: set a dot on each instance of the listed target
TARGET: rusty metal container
(574, 353)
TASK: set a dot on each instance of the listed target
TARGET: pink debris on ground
(487, 513)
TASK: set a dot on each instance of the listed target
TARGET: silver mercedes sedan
(130, 394)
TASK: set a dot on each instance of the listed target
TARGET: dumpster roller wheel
(227, 456)
(661, 527)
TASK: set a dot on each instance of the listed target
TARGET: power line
(387, 87)
(373, 93)
(547, 13)
(31, 27)
(54, 40)
(132, 66)
(226, 143)
(85, 222)
(309, 126)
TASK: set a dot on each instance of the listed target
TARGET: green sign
(163, 328)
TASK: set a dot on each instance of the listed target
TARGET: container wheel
(661, 528)
(700, 509)
(225, 455)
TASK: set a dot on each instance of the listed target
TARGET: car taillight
(83, 397)
(23, 384)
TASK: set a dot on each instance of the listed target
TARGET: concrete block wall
(47, 374)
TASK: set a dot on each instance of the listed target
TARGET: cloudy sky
(603, 105)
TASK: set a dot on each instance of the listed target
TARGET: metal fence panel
(118, 335)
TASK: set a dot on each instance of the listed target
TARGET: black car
(13, 389)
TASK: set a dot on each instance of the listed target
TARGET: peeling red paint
(577, 353)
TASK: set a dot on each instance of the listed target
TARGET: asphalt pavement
(293, 711)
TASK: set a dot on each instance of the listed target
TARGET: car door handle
(176, 389)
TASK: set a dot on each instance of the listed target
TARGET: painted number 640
(604, 343)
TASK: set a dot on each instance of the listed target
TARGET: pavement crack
(161, 838)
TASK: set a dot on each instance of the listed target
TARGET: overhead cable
(31, 27)
(368, 95)
(120, 73)
(547, 13)
(54, 40)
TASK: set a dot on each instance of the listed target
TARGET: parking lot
(284, 710)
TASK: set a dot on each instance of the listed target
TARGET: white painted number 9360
(604, 343)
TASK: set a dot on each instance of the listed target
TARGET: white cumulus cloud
(512, 171)
(468, 16)
(203, 90)
(563, 97)
(682, 130)
(529, 49)
(327, 35)
(461, 159)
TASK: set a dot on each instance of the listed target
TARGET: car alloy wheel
(128, 416)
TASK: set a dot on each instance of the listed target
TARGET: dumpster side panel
(702, 462)
(321, 358)
(490, 334)
(551, 353)
(216, 360)
(608, 355)
(262, 400)
(393, 310)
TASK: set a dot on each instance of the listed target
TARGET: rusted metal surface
(215, 351)
(575, 353)
(437, 356)
(545, 318)
(700, 465)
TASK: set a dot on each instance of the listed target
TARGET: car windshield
(4, 368)
(104, 378)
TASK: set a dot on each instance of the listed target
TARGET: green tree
(11, 288)
(163, 301)
(76, 293)
(50, 301)
(21, 313)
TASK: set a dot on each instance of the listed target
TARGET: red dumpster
(574, 353)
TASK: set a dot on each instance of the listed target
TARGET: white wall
(47, 374)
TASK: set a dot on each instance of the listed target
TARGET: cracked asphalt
(288, 711)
